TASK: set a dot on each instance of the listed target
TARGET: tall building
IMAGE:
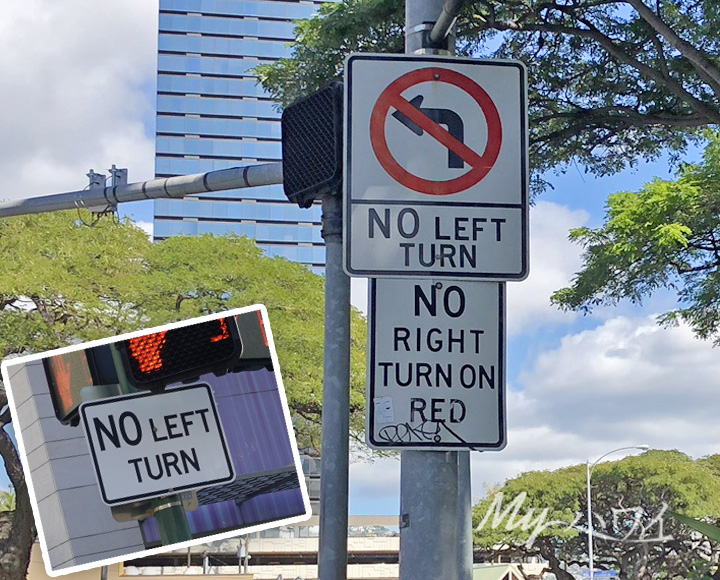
(212, 114)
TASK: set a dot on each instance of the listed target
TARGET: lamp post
(590, 467)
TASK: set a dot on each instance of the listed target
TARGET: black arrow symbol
(446, 117)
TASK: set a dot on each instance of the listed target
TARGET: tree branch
(705, 67)
(592, 33)
(547, 551)
(662, 61)
(674, 87)
(17, 541)
(715, 246)
(605, 114)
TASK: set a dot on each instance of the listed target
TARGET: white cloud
(626, 382)
(78, 92)
(629, 379)
(553, 261)
(359, 294)
(147, 227)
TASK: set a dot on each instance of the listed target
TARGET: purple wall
(252, 417)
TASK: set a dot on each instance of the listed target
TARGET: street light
(590, 467)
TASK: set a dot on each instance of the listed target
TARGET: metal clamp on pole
(171, 519)
(428, 32)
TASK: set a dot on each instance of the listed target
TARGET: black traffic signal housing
(312, 145)
(69, 373)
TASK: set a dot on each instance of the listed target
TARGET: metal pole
(445, 21)
(428, 524)
(590, 466)
(332, 554)
(246, 556)
(465, 531)
(589, 524)
(99, 198)
(428, 479)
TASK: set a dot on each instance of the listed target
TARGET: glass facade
(213, 114)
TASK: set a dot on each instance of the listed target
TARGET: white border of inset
(239, 531)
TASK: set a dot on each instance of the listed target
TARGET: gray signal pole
(465, 531)
(434, 485)
(96, 197)
(332, 553)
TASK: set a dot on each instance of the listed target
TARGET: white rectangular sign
(436, 169)
(436, 365)
(149, 445)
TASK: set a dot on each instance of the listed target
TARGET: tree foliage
(610, 81)
(667, 235)
(323, 41)
(7, 500)
(632, 533)
(62, 282)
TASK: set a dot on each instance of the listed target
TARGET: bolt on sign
(436, 167)
(436, 365)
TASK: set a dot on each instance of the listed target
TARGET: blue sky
(578, 386)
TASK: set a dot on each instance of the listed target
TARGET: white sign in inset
(149, 445)
(436, 365)
(436, 167)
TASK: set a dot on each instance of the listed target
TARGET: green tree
(62, 281)
(610, 81)
(7, 500)
(666, 236)
(632, 533)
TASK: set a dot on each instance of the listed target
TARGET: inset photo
(158, 439)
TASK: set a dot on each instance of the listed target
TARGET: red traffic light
(155, 360)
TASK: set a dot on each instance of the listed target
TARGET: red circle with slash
(392, 97)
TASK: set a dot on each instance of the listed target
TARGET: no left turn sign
(436, 168)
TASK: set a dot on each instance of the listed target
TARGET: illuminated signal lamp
(155, 360)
